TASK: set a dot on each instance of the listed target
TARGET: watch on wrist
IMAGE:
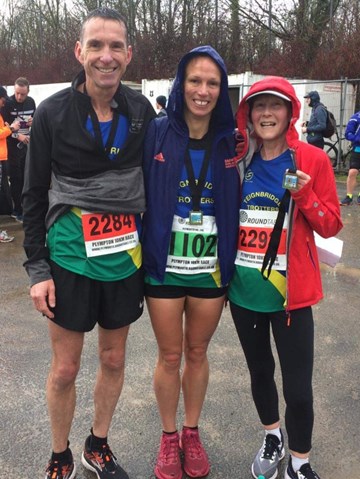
(15, 135)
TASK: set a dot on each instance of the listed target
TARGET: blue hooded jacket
(164, 153)
(352, 132)
(317, 122)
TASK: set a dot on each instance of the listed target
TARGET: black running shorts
(167, 291)
(81, 302)
(355, 160)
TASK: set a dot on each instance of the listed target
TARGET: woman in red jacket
(288, 192)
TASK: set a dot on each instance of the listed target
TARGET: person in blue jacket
(317, 123)
(352, 133)
(189, 245)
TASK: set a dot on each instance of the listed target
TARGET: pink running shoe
(168, 465)
(196, 462)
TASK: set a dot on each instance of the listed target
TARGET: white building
(338, 96)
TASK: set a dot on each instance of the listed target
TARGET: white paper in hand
(329, 249)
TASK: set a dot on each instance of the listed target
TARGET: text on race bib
(106, 233)
(193, 248)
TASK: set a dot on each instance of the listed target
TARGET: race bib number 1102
(193, 248)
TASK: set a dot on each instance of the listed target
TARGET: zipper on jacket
(288, 240)
(288, 317)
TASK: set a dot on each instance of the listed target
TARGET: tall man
(82, 201)
(20, 107)
(316, 125)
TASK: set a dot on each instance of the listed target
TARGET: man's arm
(321, 116)
(35, 198)
(352, 132)
(35, 206)
(43, 297)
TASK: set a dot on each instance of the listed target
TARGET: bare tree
(307, 38)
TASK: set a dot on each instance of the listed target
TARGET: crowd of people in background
(6, 130)
(17, 112)
(119, 203)
(19, 107)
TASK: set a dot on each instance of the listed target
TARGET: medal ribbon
(196, 188)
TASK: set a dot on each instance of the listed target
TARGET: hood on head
(272, 85)
(222, 115)
(269, 92)
(314, 97)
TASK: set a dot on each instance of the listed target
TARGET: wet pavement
(229, 424)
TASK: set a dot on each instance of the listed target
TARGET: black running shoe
(347, 201)
(102, 462)
(305, 472)
(58, 470)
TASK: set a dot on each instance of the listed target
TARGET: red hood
(280, 85)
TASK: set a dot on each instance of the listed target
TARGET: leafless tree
(303, 38)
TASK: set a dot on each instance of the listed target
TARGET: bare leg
(351, 180)
(202, 317)
(166, 318)
(60, 388)
(110, 377)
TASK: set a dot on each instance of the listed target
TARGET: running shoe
(102, 462)
(196, 462)
(57, 470)
(168, 464)
(305, 472)
(347, 201)
(269, 455)
(5, 238)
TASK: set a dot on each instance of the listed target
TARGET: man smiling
(82, 200)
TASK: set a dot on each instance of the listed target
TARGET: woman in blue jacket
(189, 245)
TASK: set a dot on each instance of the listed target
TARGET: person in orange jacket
(5, 131)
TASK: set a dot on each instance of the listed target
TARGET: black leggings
(295, 347)
(16, 169)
